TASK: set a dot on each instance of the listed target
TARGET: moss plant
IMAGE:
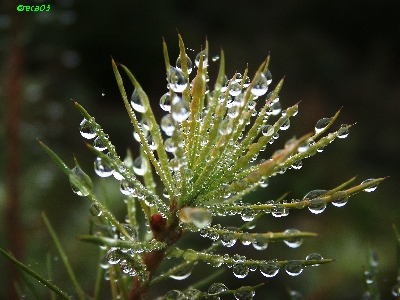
(205, 154)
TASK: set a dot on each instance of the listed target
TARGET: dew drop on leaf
(166, 101)
(140, 166)
(321, 124)
(314, 256)
(260, 86)
(189, 64)
(217, 288)
(167, 124)
(99, 145)
(240, 270)
(102, 168)
(292, 242)
(205, 59)
(317, 205)
(343, 132)
(294, 267)
(137, 102)
(269, 269)
(126, 187)
(244, 293)
(371, 188)
(180, 109)
(177, 80)
(87, 130)
(340, 199)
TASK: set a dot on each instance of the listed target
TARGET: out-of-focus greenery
(333, 54)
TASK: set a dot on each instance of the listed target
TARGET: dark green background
(333, 54)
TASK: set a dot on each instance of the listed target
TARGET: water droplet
(268, 130)
(240, 270)
(99, 144)
(177, 80)
(228, 239)
(182, 273)
(95, 210)
(235, 88)
(292, 242)
(343, 132)
(87, 130)
(217, 288)
(294, 267)
(268, 75)
(316, 205)
(205, 59)
(371, 188)
(314, 194)
(297, 164)
(180, 110)
(200, 217)
(260, 242)
(269, 269)
(303, 147)
(396, 290)
(215, 58)
(127, 267)
(244, 293)
(137, 102)
(275, 108)
(294, 295)
(285, 125)
(321, 124)
(113, 256)
(260, 86)
(340, 199)
(140, 166)
(126, 187)
(248, 214)
(189, 64)
(169, 145)
(102, 168)
(314, 256)
(174, 295)
(81, 184)
(225, 127)
(167, 124)
(279, 210)
(166, 101)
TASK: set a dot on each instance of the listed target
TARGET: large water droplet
(174, 295)
(140, 166)
(240, 270)
(268, 130)
(260, 86)
(343, 132)
(228, 239)
(340, 198)
(268, 75)
(235, 88)
(126, 187)
(248, 214)
(371, 188)
(285, 125)
(205, 59)
(317, 205)
(180, 109)
(246, 238)
(182, 273)
(244, 293)
(225, 127)
(87, 130)
(275, 108)
(217, 288)
(260, 242)
(321, 124)
(81, 184)
(292, 242)
(314, 256)
(269, 269)
(102, 168)
(99, 144)
(166, 101)
(169, 145)
(167, 125)
(189, 64)
(137, 102)
(177, 80)
(294, 267)
(113, 256)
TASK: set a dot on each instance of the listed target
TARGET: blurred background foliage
(333, 54)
